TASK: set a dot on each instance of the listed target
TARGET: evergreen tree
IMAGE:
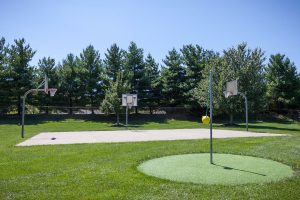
(19, 56)
(152, 87)
(4, 84)
(195, 59)
(91, 74)
(173, 79)
(46, 66)
(283, 82)
(134, 71)
(112, 102)
(114, 62)
(69, 81)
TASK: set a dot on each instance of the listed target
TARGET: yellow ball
(205, 119)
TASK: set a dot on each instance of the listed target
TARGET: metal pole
(211, 111)
(126, 115)
(23, 107)
(246, 107)
(23, 116)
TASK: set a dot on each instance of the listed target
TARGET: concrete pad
(51, 138)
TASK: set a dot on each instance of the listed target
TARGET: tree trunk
(118, 119)
(92, 103)
(47, 108)
(136, 110)
(231, 119)
(151, 110)
(19, 105)
(70, 105)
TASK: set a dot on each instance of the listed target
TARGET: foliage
(46, 66)
(152, 84)
(4, 82)
(112, 102)
(18, 57)
(114, 61)
(238, 63)
(135, 73)
(283, 83)
(195, 59)
(181, 81)
(69, 84)
(91, 76)
(173, 79)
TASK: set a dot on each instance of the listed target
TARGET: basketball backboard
(129, 100)
(231, 88)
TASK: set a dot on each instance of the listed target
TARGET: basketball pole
(211, 111)
(246, 108)
(126, 115)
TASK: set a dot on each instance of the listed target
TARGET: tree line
(89, 79)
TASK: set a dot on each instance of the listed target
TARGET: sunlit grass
(108, 171)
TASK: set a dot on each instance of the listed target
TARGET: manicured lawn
(109, 171)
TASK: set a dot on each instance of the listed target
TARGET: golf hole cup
(205, 119)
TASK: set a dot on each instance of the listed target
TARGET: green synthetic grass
(227, 169)
(109, 171)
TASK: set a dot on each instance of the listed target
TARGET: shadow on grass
(259, 127)
(241, 170)
(124, 126)
(135, 120)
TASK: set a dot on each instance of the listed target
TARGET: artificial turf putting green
(227, 169)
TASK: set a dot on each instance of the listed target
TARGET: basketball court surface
(81, 137)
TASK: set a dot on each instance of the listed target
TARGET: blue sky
(56, 28)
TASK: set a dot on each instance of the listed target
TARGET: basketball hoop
(227, 94)
(52, 91)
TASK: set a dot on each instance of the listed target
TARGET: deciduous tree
(283, 82)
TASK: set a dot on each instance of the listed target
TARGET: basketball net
(228, 94)
(52, 91)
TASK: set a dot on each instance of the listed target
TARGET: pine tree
(4, 84)
(91, 75)
(152, 85)
(46, 66)
(114, 62)
(195, 59)
(69, 81)
(134, 71)
(173, 79)
(19, 56)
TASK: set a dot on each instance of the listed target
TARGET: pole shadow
(241, 170)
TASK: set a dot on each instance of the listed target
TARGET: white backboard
(231, 88)
(129, 100)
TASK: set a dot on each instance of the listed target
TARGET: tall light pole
(46, 90)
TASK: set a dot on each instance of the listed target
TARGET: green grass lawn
(109, 171)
